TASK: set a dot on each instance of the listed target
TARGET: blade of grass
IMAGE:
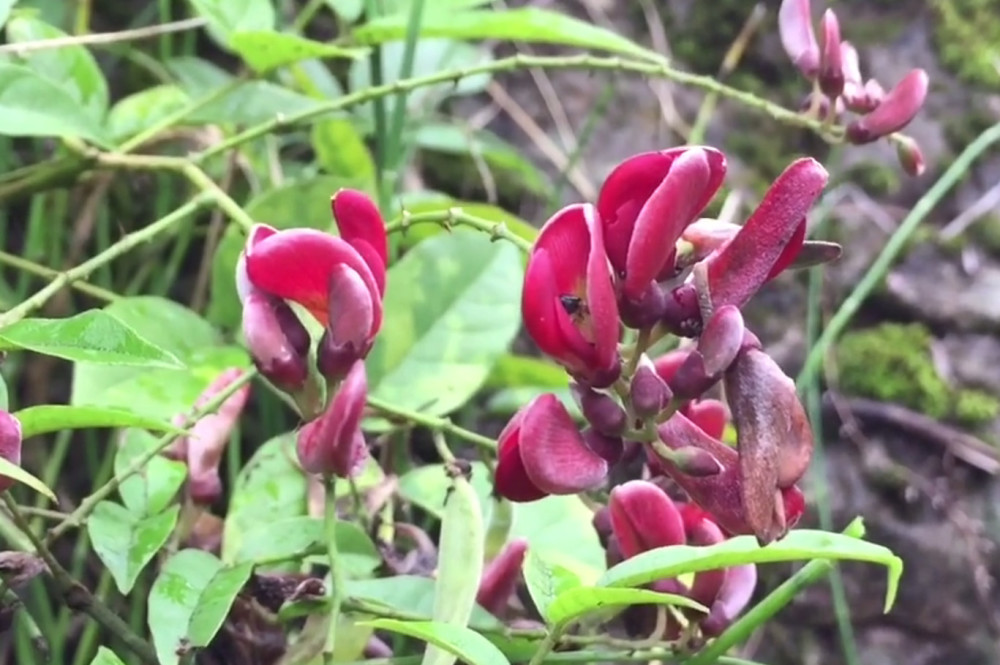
(378, 108)
(394, 141)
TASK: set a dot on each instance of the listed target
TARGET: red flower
(332, 444)
(10, 445)
(568, 301)
(646, 203)
(541, 452)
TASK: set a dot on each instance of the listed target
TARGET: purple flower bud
(643, 518)
(648, 392)
(500, 577)
(797, 36)
(896, 111)
(350, 330)
(645, 310)
(611, 448)
(332, 444)
(910, 156)
(831, 71)
(204, 446)
(277, 340)
(600, 410)
(10, 445)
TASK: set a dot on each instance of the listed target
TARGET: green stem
(24, 265)
(78, 597)
(457, 217)
(549, 643)
(306, 15)
(42, 176)
(75, 518)
(116, 250)
(336, 568)
(433, 423)
(394, 141)
(378, 110)
(521, 61)
(896, 243)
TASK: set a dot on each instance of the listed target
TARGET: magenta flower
(500, 577)
(10, 445)
(541, 452)
(896, 110)
(333, 444)
(797, 37)
(568, 301)
(202, 449)
(646, 203)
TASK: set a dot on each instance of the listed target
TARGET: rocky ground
(929, 492)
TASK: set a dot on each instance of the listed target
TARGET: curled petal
(257, 233)
(797, 36)
(736, 272)
(831, 71)
(555, 457)
(500, 577)
(277, 341)
(333, 444)
(721, 339)
(733, 596)
(710, 415)
(510, 479)
(210, 434)
(361, 225)
(352, 310)
(643, 518)
(701, 530)
(896, 111)
(688, 186)
(296, 265)
(10, 445)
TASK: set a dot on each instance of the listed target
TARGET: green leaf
(265, 50)
(158, 393)
(106, 656)
(151, 490)
(248, 103)
(799, 544)
(124, 542)
(31, 105)
(411, 595)
(140, 110)
(560, 530)
(11, 470)
(512, 371)
(226, 17)
(294, 538)
(546, 581)
(504, 161)
(189, 601)
(451, 314)
(94, 336)
(5, 7)
(427, 487)
(47, 418)
(528, 24)
(438, 6)
(341, 151)
(466, 644)
(301, 204)
(574, 603)
(71, 67)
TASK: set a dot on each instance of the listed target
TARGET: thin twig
(102, 38)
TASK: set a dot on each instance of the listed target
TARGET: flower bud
(209, 436)
(277, 341)
(646, 309)
(831, 71)
(350, 330)
(910, 156)
(648, 392)
(10, 445)
(797, 37)
(643, 518)
(332, 444)
(896, 111)
(500, 577)
(600, 410)
(703, 237)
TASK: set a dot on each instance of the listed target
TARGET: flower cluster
(641, 258)
(833, 67)
(340, 282)
(640, 517)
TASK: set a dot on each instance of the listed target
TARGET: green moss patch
(967, 36)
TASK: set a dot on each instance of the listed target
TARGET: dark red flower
(541, 452)
(333, 444)
(568, 301)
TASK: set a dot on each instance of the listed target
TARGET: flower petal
(510, 480)
(361, 225)
(643, 518)
(296, 264)
(797, 36)
(555, 456)
(897, 109)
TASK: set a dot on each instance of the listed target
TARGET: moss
(967, 36)
(892, 362)
(875, 178)
(986, 234)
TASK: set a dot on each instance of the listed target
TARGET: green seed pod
(460, 560)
